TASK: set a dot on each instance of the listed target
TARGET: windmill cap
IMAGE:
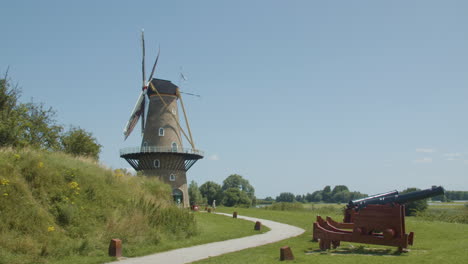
(163, 87)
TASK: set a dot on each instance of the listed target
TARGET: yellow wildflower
(51, 229)
(73, 185)
(5, 194)
(17, 156)
(4, 182)
(40, 164)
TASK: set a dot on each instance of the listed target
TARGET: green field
(435, 241)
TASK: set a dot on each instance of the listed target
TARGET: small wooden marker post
(286, 253)
(234, 215)
(209, 210)
(115, 248)
(258, 225)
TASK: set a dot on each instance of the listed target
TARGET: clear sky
(296, 95)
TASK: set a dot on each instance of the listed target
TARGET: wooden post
(209, 210)
(234, 215)
(286, 253)
(258, 225)
(115, 248)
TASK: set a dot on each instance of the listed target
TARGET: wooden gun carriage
(378, 219)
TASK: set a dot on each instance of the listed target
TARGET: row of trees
(34, 125)
(339, 194)
(452, 196)
(235, 191)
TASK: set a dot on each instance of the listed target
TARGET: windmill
(161, 153)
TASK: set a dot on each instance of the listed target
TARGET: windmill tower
(161, 153)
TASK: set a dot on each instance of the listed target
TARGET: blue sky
(296, 95)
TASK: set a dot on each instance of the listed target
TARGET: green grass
(55, 208)
(446, 213)
(211, 228)
(435, 242)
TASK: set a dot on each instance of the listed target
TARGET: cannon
(377, 219)
(355, 204)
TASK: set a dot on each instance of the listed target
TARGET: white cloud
(423, 160)
(453, 156)
(213, 157)
(425, 150)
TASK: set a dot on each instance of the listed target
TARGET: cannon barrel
(402, 198)
(356, 202)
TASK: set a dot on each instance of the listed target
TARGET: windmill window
(172, 177)
(156, 163)
(174, 146)
(173, 111)
(161, 131)
(145, 144)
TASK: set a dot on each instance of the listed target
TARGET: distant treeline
(339, 194)
(452, 195)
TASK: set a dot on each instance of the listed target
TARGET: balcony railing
(154, 149)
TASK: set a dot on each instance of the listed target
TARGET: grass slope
(435, 242)
(55, 208)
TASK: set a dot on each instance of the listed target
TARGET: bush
(79, 142)
(285, 206)
(236, 197)
(415, 207)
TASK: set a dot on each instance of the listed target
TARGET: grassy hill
(53, 205)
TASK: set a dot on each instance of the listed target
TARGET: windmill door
(178, 197)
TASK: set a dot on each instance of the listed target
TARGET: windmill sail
(144, 82)
(137, 112)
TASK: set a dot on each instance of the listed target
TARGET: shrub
(285, 206)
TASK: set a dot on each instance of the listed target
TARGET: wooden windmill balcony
(141, 158)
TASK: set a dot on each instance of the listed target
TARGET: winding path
(278, 231)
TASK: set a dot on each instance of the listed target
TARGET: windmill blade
(143, 57)
(154, 66)
(143, 114)
(136, 113)
(197, 95)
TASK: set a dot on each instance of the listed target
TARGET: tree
(412, 208)
(79, 142)
(300, 198)
(41, 129)
(9, 115)
(341, 197)
(236, 197)
(195, 196)
(339, 188)
(211, 191)
(30, 124)
(285, 197)
(237, 181)
(326, 194)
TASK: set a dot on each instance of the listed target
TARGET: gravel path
(278, 232)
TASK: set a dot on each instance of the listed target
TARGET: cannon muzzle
(392, 197)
